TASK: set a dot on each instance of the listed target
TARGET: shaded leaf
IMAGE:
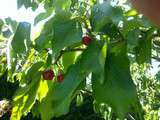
(43, 16)
(143, 50)
(33, 69)
(133, 37)
(120, 92)
(12, 23)
(1, 24)
(21, 40)
(104, 13)
(45, 40)
(66, 33)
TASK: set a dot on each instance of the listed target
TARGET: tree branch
(67, 50)
(156, 58)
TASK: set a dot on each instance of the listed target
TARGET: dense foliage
(102, 48)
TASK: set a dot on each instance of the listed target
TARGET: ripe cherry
(48, 75)
(60, 78)
(86, 40)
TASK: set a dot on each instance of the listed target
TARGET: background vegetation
(103, 52)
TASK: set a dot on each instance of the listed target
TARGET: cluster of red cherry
(49, 74)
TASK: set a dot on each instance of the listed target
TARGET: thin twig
(74, 50)
(87, 91)
(67, 50)
(156, 58)
(87, 27)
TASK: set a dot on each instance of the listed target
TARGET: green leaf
(11, 59)
(104, 13)
(134, 23)
(33, 69)
(131, 12)
(60, 96)
(7, 33)
(79, 100)
(66, 33)
(133, 37)
(1, 24)
(143, 50)
(41, 93)
(19, 3)
(62, 4)
(68, 59)
(11, 23)
(58, 4)
(45, 40)
(30, 74)
(32, 93)
(49, 60)
(40, 1)
(43, 16)
(34, 5)
(21, 40)
(27, 4)
(91, 58)
(25, 97)
(120, 91)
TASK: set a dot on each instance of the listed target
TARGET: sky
(8, 8)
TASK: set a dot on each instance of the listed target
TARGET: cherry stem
(67, 50)
(87, 28)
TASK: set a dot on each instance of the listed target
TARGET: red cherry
(60, 78)
(86, 40)
(48, 74)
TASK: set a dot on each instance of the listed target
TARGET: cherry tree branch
(67, 50)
